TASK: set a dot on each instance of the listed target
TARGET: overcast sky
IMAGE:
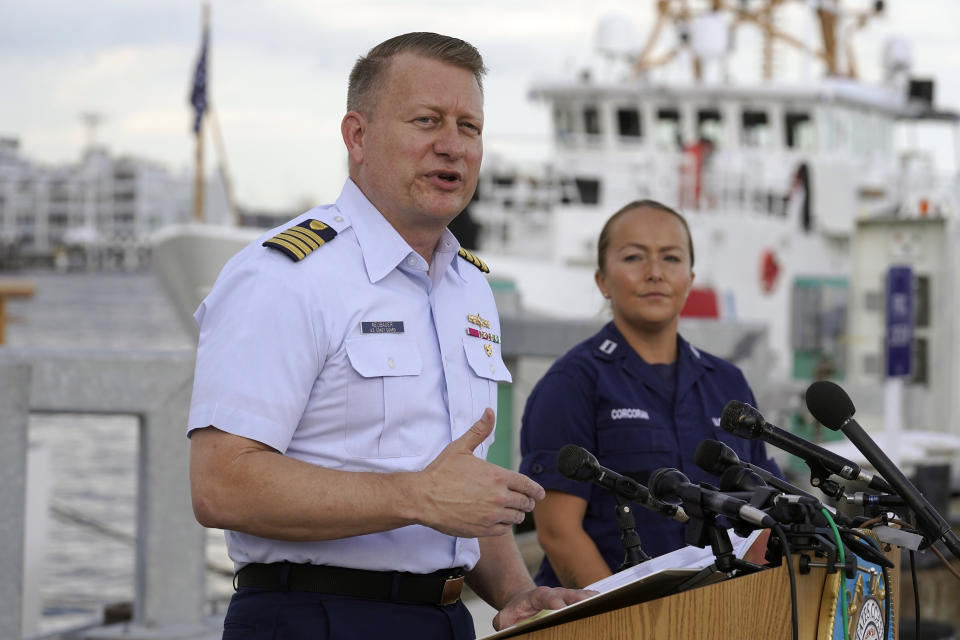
(279, 68)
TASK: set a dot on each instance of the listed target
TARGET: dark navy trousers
(262, 614)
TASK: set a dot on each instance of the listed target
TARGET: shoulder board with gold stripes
(299, 240)
(474, 260)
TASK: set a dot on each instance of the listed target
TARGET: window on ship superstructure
(667, 131)
(591, 120)
(562, 122)
(628, 123)
(755, 129)
(798, 129)
(710, 125)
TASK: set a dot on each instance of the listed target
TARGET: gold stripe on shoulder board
(300, 240)
(474, 260)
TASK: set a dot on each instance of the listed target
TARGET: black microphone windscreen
(710, 456)
(571, 459)
(740, 479)
(742, 420)
(665, 482)
(829, 404)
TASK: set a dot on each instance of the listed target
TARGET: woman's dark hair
(604, 241)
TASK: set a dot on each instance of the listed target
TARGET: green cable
(843, 575)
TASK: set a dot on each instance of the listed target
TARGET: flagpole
(198, 186)
(221, 150)
(198, 178)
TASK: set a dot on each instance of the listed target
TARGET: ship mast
(203, 106)
(199, 99)
(762, 14)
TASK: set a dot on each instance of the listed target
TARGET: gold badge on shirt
(480, 333)
(478, 320)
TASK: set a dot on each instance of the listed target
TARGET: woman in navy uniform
(636, 395)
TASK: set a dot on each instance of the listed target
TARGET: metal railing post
(14, 413)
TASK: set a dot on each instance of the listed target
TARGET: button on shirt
(603, 397)
(355, 358)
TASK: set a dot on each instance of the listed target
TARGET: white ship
(772, 175)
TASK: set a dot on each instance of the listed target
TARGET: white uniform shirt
(358, 358)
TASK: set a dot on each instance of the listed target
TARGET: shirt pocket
(635, 448)
(487, 370)
(378, 396)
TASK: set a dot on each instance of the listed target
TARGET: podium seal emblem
(869, 621)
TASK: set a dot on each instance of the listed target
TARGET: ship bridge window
(755, 131)
(709, 125)
(668, 128)
(589, 190)
(799, 130)
(591, 120)
(628, 122)
(562, 122)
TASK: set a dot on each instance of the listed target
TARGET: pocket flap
(486, 366)
(385, 355)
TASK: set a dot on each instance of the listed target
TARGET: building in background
(96, 213)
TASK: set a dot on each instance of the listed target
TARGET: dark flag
(198, 95)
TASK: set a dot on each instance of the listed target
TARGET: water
(89, 556)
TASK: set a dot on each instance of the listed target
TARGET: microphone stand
(820, 478)
(629, 538)
(703, 530)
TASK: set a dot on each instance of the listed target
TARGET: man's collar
(382, 247)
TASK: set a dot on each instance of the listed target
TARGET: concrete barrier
(169, 583)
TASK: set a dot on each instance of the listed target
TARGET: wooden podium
(755, 606)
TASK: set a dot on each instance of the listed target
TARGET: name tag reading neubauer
(395, 326)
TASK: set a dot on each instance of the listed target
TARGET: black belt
(440, 587)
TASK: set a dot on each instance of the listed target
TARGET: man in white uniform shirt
(346, 373)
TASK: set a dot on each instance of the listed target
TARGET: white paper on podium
(692, 558)
(645, 581)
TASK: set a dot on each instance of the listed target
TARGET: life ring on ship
(769, 271)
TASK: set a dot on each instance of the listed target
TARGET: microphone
(716, 457)
(871, 500)
(743, 478)
(740, 419)
(669, 485)
(834, 409)
(579, 464)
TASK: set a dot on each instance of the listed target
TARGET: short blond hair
(369, 70)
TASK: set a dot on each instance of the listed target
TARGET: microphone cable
(906, 526)
(841, 556)
(793, 578)
(883, 519)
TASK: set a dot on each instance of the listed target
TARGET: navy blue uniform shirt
(603, 397)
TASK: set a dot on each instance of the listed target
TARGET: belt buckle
(451, 590)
